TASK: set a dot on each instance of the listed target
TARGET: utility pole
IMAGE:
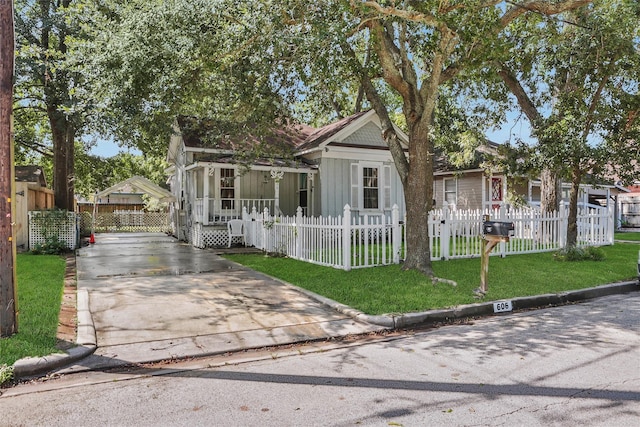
(8, 316)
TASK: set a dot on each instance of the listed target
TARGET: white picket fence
(351, 241)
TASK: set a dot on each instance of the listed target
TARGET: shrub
(588, 253)
(6, 374)
(52, 246)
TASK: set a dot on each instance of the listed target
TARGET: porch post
(277, 175)
(504, 190)
(485, 179)
(276, 208)
(205, 198)
(310, 196)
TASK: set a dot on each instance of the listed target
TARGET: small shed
(127, 195)
(32, 194)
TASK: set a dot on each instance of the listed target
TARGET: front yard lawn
(40, 281)
(389, 289)
(627, 235)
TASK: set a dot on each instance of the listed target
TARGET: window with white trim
(227, 188)
(371, 191)
(370, 186)
(450, 191)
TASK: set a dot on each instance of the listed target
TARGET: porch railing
(219, 211)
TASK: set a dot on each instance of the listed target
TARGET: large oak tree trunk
(63, 157)
(549, 191)
(418, 194)
(572, 227)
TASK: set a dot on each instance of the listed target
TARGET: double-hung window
(370, 186)
(227, 188)
(451, 191)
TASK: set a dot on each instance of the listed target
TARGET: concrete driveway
(153, 298)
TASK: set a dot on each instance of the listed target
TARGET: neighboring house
(630, 207)
(127, 195)
(31, 194)
(343, 163)
(133, 205)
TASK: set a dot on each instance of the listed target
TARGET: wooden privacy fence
(353, 241)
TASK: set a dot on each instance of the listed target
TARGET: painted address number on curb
(502, 306)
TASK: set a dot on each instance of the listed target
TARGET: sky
(107, 148)
(515, 127)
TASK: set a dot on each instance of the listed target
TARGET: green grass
(40, 284)
(629, 235)
(390, 289)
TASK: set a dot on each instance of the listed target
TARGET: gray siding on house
(470, 191)
(289, 194)
(336, 186)
(335, 192)
(256, 185)
(368, 135)
(469, 194)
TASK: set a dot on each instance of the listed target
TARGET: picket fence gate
(356, 241)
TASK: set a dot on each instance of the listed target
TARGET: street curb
(475, 310)
(85, 340)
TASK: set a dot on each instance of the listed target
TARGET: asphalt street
(563, 366)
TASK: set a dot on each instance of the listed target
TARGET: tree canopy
(440, 69)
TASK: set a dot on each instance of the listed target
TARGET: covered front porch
(219, 192)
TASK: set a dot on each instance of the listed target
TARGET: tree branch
(524, 101)
(388, 131)
(541, 7)
(404, 14)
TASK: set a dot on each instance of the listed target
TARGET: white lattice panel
(211, 237)
(126, 221)
(215, 237)
(46, 224)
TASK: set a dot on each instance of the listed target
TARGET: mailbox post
(493, 232)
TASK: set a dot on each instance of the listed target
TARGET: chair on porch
(235, 228)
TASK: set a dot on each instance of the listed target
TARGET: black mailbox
(498, 228)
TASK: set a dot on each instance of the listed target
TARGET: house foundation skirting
(211, 236)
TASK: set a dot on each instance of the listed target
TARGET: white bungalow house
(346, 162)
(343, 163)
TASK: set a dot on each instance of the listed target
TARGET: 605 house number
(502, 306)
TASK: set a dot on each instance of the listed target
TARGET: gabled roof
(294, 139)
(196, 133)
(138, 185)
(337, 131)
(31, 173)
